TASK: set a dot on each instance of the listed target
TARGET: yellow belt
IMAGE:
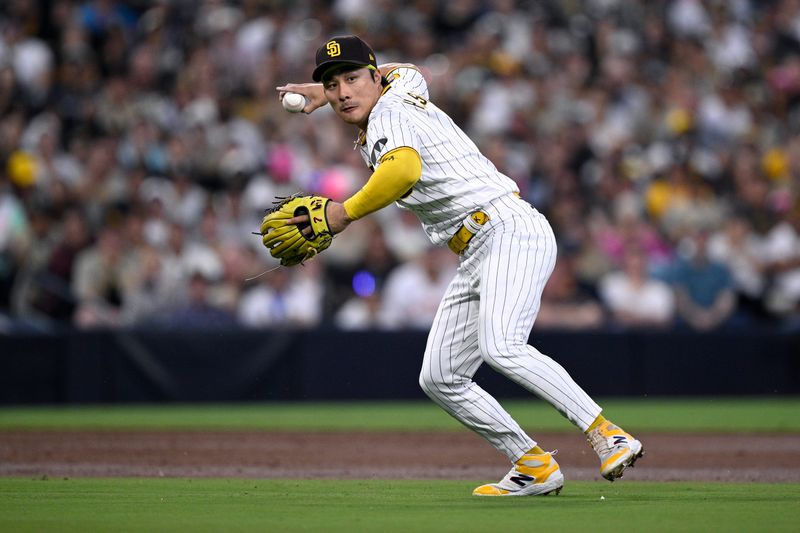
(460, 239)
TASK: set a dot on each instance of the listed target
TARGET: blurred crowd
(141, 141)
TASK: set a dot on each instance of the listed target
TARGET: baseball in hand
(293, 102)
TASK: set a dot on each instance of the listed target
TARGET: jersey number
(415, 100)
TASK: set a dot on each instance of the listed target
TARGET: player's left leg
(522, 256)
(451, 359)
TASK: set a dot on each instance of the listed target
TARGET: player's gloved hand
(296, 228)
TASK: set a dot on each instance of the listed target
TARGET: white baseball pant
(486, 315)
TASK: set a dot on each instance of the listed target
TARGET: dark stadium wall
(249, 365)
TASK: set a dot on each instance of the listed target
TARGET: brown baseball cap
(343, 50)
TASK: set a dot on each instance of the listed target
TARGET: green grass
(646, 414)
(199, 505)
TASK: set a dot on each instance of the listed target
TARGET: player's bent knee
(441, 387)
(499, 354)
(427, 383)
(434, 387)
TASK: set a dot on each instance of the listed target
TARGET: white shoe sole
(553, 485)
(617, 468)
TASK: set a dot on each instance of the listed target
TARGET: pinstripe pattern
(486, 316)
(456, 178)
(489, 308)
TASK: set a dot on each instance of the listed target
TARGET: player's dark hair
(384, 81)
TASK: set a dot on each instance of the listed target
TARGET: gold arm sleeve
(399, 170)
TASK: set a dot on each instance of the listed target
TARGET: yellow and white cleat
(532, 475)
(616, 448)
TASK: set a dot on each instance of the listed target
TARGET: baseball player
(424, 162)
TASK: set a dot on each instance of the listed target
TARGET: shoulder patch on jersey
(376, 149)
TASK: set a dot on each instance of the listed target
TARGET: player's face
(353, 94)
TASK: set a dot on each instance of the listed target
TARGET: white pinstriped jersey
(456, 178)
(489, 308)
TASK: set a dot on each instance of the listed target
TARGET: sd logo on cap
(333, 49)
(344, 50)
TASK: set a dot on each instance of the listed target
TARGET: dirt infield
(456, 455)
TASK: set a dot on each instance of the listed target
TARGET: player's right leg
(521, 255)
(513, 277)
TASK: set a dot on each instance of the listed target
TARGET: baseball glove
(288, 242)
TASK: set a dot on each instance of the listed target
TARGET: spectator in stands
(414, 290)
(34, 264)
(376, 263)
(407, 240)
(567, 303)
(201, 247)
(683, 202)
(284, 297)
(630, 229)
(52, 294)
(14, 241)
(751, 191)
(152, 289)
(361, 313)
(633, 298)
(782, 254)
(685, 110)
(99, 279)
(239, 263)
(738, 247)
(704, 289)
(198, 312)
